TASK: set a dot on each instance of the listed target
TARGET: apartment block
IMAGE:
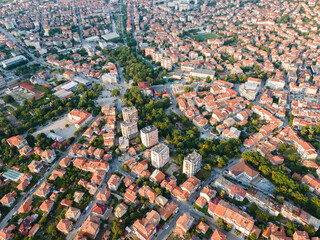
(159, 155)
(149, 136)
(192, 164)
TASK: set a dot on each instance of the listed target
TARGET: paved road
(13, 39)
(79, 20)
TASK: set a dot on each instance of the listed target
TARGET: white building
(159, 155)
(250, 88)
(192, 164)
(275, 83)
(8, 62)
(149, 136)
(110, 78)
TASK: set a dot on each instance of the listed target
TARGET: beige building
(149, 136)
(129, 129)
(192, 164)
(130, 114)
(159, 155)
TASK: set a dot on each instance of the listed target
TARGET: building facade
(129, 129)
(130, 114)
(192, 164)
(159, 155)
(149, 136)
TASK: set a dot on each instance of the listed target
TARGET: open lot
(19, 95)
(59, 127)
(172, 168)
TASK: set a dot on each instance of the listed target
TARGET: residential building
(160, 155)
(301, 235)
(73, 214)
(129, 129)
(8, 199)
(144, 229)
(168, 210)
(120, 210)
(80, 117)
(90, 227)
(183, 224)
(65, 226)
(17, 141)
(192, 164)
(130, 114)
(149, 136)
(48, 155)
(296, 214)
(114, 182)
(264, 202)
(240, 220)
(243, 172)
(217, 235)
(100, 210)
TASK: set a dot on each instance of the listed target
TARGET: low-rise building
(183, 224)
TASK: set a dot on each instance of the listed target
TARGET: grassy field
(205, 37)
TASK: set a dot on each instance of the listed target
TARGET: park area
(205, 37)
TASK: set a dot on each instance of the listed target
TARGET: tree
(52, 230)
(203, 219)
(125, 167)
(309, 229)
(8, 99)
(115, 92)
(221, 162)
(220, 223)
(262, 215)
(188, 89)
(31, 140)
(118, 152)
(138, 139)
(207, 167)
(252, 237)
(158, 191)
(227, 227)
(117, 227)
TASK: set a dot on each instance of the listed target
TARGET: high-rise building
(149, 136)
(130, 114)
(129, 129)
(159, 155)
(192, 164)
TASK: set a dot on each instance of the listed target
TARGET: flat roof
(110, 36)
(12, 175)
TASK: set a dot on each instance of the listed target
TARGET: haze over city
(159, 119)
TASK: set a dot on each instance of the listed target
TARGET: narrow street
(79, 21)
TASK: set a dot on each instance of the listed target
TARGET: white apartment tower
(149, 136)
(159, 155)
(192, 164)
